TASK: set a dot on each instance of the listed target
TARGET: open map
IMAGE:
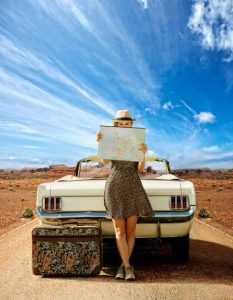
(121, 143)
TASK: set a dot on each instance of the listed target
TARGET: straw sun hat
(123, 115)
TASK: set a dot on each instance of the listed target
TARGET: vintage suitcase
(73, 250)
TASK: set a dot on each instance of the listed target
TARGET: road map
(121, 143)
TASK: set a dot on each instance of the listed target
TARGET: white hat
(123, 115)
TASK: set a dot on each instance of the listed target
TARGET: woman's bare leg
(120, 230)
(131, 223)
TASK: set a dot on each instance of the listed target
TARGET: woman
(125, 199)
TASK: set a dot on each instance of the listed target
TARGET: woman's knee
(131, 232)
(120, 229)
(120, 233)
(131, 224)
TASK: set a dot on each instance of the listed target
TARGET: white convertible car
(78, 199)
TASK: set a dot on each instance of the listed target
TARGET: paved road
(208, 275)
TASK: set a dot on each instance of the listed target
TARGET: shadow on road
(208, 262)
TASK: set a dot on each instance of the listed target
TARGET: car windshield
(100, 170)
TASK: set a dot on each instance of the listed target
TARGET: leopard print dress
(124, 194)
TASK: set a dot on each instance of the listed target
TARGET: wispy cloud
(109, 36)
(17, 162)
(201, 159)
(31, 147)
(214, 148)
(30, 64)
(18, 127)
(212, 21)
(42, 115)
(60, 8)
(188, 107)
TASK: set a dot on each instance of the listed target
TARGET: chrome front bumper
(159, 216)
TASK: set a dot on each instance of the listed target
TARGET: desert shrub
(11, 189)
(204, 213)
(27, 213)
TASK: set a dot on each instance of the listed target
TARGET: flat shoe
(120, 273)
(129, 273)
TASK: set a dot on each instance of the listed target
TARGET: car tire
(180, 249)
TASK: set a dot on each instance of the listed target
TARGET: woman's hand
(99, 136)
(141, 165)
(143, 148)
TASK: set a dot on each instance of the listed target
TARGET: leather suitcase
(73, 250)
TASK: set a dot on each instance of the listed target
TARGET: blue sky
(67, 66)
